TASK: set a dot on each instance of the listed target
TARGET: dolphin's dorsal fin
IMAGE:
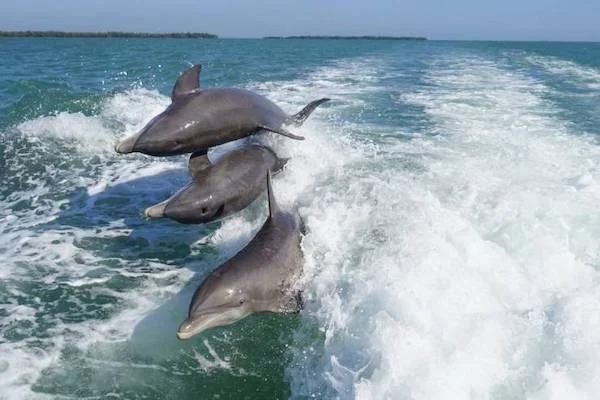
(198, 162)
(273, 208)
(187, 82)
(281, 131)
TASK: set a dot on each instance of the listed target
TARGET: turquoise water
(451, 193)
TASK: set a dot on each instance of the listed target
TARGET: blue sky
(436, 19)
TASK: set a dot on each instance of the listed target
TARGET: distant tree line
(350, 37)
(183, 35)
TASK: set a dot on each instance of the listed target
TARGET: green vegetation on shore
(350, 37)
(181, 35)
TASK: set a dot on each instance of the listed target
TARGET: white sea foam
(476, 278)
(127, 112)
(215, 362)
(70, 126)
(589, 77)
(30, 239)
(20, 366)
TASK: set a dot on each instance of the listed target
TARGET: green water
(450, 192)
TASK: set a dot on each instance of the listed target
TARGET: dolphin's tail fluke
(299, 118)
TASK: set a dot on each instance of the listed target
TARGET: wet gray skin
(258, 278)
(222, 189)
(199, 119)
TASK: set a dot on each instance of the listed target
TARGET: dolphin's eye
(204, 210)
(242, 301)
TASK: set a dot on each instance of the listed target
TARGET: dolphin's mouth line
(206, 320)
(220, 211)
(127, 145)
(214, 310)
(196, 326)
(157, 210)
(183, 336)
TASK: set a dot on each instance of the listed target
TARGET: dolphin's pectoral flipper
(280, 165)
(187, 82)
(198, 162)
(299, 118)
(293, 302)
(282, 131)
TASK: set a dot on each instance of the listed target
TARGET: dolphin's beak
(210, 319)
(127, 145)
(184, 335)
(157, 210)
(195, 326)
(190, 328)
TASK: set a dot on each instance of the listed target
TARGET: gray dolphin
(219, 189)
(199, 119)
(258, 278)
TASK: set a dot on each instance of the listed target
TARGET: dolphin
(199, 119)
(259, 278)
(219, 189)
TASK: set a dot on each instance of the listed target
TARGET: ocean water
(451, 193)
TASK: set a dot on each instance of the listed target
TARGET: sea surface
(450, 190)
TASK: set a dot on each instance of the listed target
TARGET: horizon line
(207, 35)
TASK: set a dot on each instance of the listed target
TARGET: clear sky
(436, 19)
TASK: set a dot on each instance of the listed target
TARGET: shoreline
(336, 37)
(108, 34)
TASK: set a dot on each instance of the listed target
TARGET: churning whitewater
(452, 210)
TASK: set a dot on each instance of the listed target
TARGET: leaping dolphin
(219, 189)
(199, 119)
(258, 278)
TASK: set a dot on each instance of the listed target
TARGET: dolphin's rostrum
(258, 278)
(199, 119)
